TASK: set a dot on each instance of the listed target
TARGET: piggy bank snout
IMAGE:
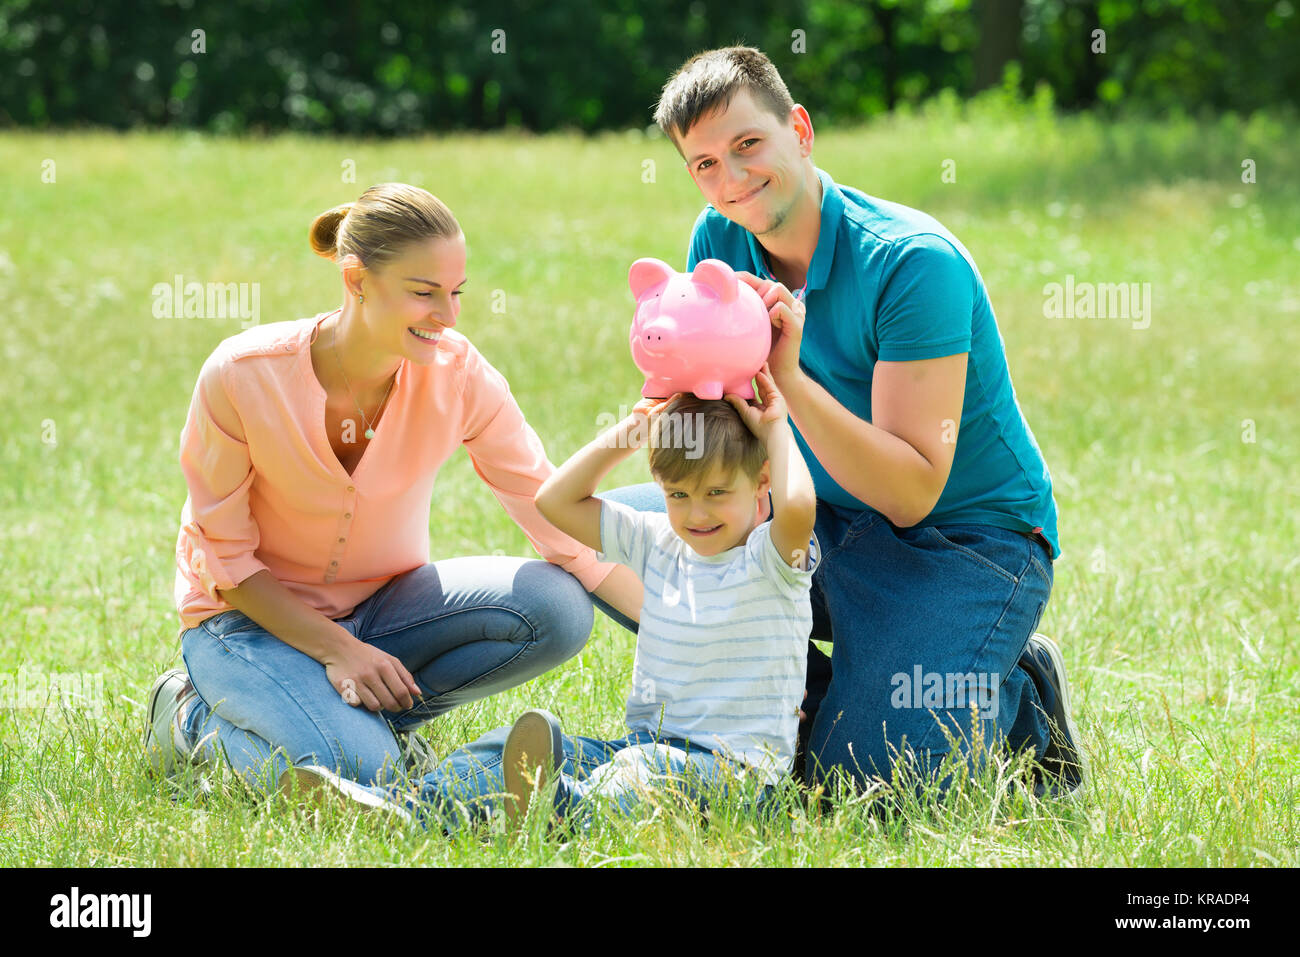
(657, 336)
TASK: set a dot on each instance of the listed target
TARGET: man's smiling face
(748, 163)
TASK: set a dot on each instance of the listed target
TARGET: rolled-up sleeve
(219, 538)
(508, 455)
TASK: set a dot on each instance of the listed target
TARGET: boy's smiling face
(719, 511)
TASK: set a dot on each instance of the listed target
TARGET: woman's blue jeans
(927, 626)
(465, 628)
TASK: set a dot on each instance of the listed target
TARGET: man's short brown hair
(690, 436)
(709, 80)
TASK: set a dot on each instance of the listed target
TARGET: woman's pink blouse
(266, 490)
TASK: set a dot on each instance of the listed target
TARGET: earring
(360, 299)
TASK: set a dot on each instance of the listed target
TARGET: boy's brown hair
(684, 447)
(708, 81)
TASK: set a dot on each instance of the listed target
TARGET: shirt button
(342, 540)
(347, 514)
(351, 488)
(332, 564)
(288, 347)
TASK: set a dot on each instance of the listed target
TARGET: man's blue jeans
(927, 625)
(465, 628)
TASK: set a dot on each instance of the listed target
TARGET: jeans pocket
(861, 524)
(996, 552)
(229, 623)
(1044, 570)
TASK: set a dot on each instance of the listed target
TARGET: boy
(721, 653)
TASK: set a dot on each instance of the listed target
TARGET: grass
(1173, 449)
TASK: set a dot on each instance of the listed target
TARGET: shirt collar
(819, 270)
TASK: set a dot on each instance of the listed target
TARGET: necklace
(369, 429)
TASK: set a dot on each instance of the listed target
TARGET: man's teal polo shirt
(888, 282)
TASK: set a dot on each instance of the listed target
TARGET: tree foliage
(392, 69)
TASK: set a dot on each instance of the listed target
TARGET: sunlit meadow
(1173, 447)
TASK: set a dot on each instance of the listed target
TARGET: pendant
(370, 433)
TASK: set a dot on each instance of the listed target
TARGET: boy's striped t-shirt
(722, 648)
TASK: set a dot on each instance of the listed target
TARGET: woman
(313, 625)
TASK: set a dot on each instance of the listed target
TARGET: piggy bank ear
(716, 275)
(647, 273)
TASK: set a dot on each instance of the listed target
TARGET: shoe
(417, 753)
(320, 786)
(166, 748)
(1063, 763)
(534, 751)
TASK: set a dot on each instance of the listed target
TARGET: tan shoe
(534, 751)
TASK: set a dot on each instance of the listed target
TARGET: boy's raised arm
(794, 497)
(567, 499)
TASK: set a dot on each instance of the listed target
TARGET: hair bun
(384, 221)
(325, 231)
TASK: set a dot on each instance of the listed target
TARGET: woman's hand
(364, 675)
(786, 314)
(767, 410)
(360, 673)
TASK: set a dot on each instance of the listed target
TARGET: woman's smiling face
(413, 298)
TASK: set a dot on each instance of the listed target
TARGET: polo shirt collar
(832, 211)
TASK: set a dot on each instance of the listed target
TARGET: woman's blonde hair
(378, 226)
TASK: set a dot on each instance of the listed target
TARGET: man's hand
(786, 314)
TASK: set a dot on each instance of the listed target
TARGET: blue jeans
(616, 775)
(927, 625)
(465, 628)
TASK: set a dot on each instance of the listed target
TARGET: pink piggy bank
(704, 332)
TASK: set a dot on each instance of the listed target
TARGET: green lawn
(1173, 448)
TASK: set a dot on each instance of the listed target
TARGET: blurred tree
(999, 40)
(360, 68)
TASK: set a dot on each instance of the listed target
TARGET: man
(936, 550)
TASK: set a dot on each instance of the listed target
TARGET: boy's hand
(768, 408)
(652, 407)
(633, 433)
